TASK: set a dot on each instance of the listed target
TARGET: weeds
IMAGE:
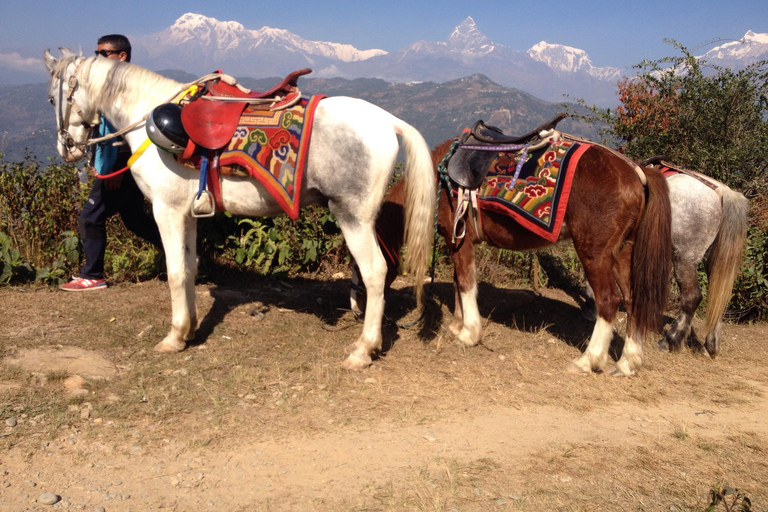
(732, 500)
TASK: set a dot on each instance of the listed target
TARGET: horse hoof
(621, 370)
(664, 345)
(576, 369)
(167, 346)
(354, 362)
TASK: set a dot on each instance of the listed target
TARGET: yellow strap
(139, 152)
(191, 91)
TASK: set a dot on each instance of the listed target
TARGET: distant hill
(27, 122)
(438, 110)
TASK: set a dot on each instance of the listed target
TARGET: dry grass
(500, 426)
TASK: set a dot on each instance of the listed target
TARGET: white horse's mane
(113, 83)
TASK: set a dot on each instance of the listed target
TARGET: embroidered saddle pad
(272, 147)
(537, 199)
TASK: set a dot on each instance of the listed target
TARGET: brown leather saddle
(479, 146)
(211, 117)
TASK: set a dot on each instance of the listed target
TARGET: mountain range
(438, 110)
(199, 44)
(439, 87)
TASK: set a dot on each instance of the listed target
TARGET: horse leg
(631, 359)
(690, 298)
(607, 300)
(356, 291)
(361, 242)
(712, 344)
(467, 324)
(179, 232)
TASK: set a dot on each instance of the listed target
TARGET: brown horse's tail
(652, 256)
(724, 259)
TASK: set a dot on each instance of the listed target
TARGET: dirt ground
(258, 415)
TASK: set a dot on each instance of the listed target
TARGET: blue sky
(613, 33)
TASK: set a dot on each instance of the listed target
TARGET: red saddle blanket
(537, 199)
(272, 147)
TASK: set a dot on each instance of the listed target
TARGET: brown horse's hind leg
(631, 359)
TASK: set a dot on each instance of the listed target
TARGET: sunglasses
(106, 53)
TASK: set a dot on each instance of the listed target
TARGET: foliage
(750, 294)
(702, 117)
(732, 500)
(710, 119)
(281, 245)
(12, 267)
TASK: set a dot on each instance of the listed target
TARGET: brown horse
(620, 229)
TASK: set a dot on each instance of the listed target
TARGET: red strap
(110, 175)
(214, 183)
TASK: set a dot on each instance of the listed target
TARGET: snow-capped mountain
(466, 36)
(195, 41)
(739, 54)
(566, 59)
(467, 51)
(198, 44)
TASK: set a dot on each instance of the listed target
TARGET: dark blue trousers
(128, 201)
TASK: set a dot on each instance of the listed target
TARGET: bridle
(64, 113)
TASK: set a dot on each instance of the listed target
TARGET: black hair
(119, 42)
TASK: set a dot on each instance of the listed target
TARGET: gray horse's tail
(420, 200)
(724, 258)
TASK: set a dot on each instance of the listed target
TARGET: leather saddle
(211, 117)
(654, 160)
(468, 167)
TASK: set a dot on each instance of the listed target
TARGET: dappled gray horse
(352, 155)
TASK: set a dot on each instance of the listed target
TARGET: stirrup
(201, 208)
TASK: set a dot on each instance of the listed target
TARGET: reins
(73, 85)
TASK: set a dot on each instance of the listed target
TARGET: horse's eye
(50, 100)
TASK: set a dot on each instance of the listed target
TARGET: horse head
(75, 117)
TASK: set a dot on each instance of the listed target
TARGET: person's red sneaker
(78, 284)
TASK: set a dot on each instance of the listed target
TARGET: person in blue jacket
(117, 194)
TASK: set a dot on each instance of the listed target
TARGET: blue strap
(203, 175)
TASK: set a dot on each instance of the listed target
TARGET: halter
(72, 85)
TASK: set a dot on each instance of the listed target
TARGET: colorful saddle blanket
(537, 199)
(272, 147)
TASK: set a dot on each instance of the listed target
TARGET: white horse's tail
(419, 203)
(724, 259)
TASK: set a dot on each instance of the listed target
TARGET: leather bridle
(64, 113)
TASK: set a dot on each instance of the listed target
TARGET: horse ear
(50, 61)
(66, 52)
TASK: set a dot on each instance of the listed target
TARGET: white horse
(352, 154)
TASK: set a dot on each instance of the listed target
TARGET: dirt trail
(237, 425)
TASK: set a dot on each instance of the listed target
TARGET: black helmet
(164, 128)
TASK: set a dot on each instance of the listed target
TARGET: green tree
(701, 116)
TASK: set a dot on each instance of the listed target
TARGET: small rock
(11, 422)
(48, 498)
(250, 396)
(31, 483)
(74, 382)
(85, 413)
(322, 386)
(370, 380)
